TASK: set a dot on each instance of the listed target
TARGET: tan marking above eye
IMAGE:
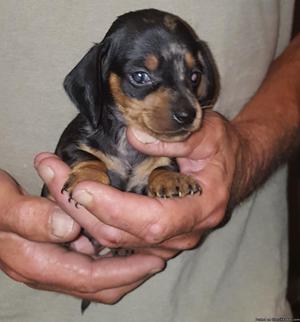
(151, 62)
(170, 22)
(189, 60)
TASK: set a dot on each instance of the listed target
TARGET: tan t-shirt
(239, 273)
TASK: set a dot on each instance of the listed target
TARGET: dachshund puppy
(152, 73)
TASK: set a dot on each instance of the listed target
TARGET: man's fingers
(149, 145)
(8, 185)
(173, 246)
(12, 274)
(33, 218)
(165, 254)
(150, 219)
(119, 219)
(112, 296)
(50, 264)
(39, 219)
(107, 296)
(158, 148)
(55, 173)
(183, 242)
(42, 156)
(83, 245)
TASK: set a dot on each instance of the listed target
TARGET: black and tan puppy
(150, 72)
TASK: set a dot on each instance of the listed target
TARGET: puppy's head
(152, 72)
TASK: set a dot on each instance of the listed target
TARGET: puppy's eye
(140, 78)
(195, 77)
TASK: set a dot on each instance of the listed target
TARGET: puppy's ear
(209, 86)
(84, 84)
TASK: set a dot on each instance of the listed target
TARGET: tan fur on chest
(141, 173)
(136, 176)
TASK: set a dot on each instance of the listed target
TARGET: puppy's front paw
(168, 184)
(85, 171)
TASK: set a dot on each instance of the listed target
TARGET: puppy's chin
(148, 136)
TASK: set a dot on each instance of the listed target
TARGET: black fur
(100, 123)
(122, 51)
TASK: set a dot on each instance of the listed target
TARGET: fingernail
(46, 173)
(143, 137)
(84, 197)
(61, 224)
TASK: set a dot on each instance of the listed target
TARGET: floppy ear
(84, 84)
(209, 86)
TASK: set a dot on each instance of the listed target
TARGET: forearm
(269, 125)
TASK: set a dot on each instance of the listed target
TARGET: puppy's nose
(184, 116)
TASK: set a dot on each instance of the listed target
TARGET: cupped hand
(32, 231)
(166, 226)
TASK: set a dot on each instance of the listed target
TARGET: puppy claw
(70, 197)
(85, 171)
(196, 189)
(172, 185)
(63, 190)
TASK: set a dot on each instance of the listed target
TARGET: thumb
(203, 140)
(34, 218)
(152, 146)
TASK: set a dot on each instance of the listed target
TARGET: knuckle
(27, 205)
(155, 233)
(108, 236)
(24, 211)
(28, 218)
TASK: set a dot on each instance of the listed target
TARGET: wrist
(247, 163)
(268, 126)
(263, 145)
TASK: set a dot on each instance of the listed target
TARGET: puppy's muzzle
(184, 117)
(183, 113)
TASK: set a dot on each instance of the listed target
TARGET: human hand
(165, 227)
(230, 160)
(31, 231)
